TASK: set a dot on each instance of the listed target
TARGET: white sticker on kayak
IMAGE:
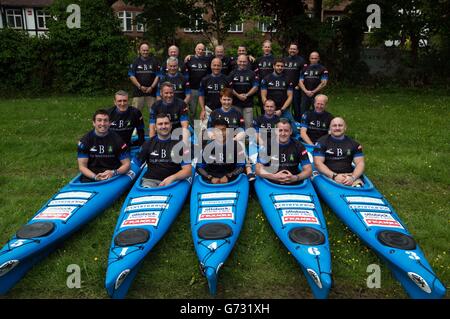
(380, 220)
(363, 199)
(217, 202)
(85, 195)
(218, 195)
(420, 282)
(141, 219)
(213, 213)
(144, 199)
(370, 207)
(147, 206)
(290, 216)
(55, 202)
(57, 212)
(304, 198)
(294, 205)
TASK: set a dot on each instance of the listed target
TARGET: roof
(26, 3)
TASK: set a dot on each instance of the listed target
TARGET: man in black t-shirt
(143, 73)
(181, 86)
(293, 64)
(282, 167)
(264, 124)
(125, 119)
(316, 123)
(165, 164)
(335, 153)
(102, 153)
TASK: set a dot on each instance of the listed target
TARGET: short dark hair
(142, 43)
(162, 115)
(284, 121)
(278, 60)
(100, 111)
(219, 122)
(226, 92)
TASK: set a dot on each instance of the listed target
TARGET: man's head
(220, 129)
(100, 121)
(219, 51)
(173, 51)
(163, 126)
(269, 107)
(283, 131)
(267, 47)
(242, 61)
(337, 127)
(314, 57)
(166, 91)
(320, 103)
(200, 49)
(216, 66)
(241, 50)
(293, 49)
(121, 100)
(144, 49)
(172, 65)
(226, 98)
(278, 65)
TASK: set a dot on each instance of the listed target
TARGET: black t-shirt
(197, 68)
(292, 68)
(181, 85)
(243, 81)
(124, 123)
(263, 66)
(160, 158)
(177, 111)
(317, 124)
(103, 152)
(227, 64)
(290, 156)
(312, 75)
(218, 160)
(145, 72)
(233, 117)
(277, 87)
(263, 124)
(210, 88)
(338, 154)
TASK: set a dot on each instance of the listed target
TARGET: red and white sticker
(141, 219)
(373, 219)
(58, 213)
(364, 199)
(214, 213)
(57, 202)
(85, 195)
(144, 199)
(218, 195)
(147, 206)
(294, 205)
(296, 216)
(304, 198)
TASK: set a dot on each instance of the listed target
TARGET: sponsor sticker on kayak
(84, 195)
(370, 207)
(144, 199)
(213, 213)
(56, 202)
(57, 212)
(294, 205)
(147, 206)
(380, 219)
(217, 202)
(296, 216)
(304, 198)
(218, 195)
(141, 219)
(364, 199)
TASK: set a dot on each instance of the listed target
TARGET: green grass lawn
(405, 135)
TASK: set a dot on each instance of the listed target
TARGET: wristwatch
(334, 176)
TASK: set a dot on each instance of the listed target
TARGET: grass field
(406, 141)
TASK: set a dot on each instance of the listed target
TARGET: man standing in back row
(293, 65)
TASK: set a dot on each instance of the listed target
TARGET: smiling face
(242, 62)
(314, 58)
(320, 103)
(163, 127)
(172, 67)
(144, 51)
(226, 102)
(337, 127)
(216, 66)
(121, 101)
(200, 49)
(241, 50)
(269, 108)
(101, 124)
(173, 51)
(293, 50)
(283, 132)
(219, 51)
(167, 94)
(267, 48)
(278, 67)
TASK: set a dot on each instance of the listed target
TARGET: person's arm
(154, 85)
(263, 96)
(304, 136)
(288, 101)
(322, 84)
(304, 174)
(319, 163)
(253, 90)
(151, 130)
(83, 168)
(301, 85)
(277, 177)
(357, 171)
(183, 173)
(123, 169)
(137, 84)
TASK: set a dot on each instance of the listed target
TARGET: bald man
(315, 124)
(313, 78)
(172, 51)
(335, 153)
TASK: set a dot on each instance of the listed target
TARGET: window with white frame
(126, 20)
(14, 18)
(42, 16)
(139, 25)
(236, 28)
(196, 28)
(265, 26)
(333, 19)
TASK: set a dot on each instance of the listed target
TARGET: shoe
(251, 177)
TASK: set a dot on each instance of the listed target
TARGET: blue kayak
(370, 216)
(145, 217)
(67, 211)
(217, 216)
(295, 215)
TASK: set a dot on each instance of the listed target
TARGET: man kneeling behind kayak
(165, 165)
